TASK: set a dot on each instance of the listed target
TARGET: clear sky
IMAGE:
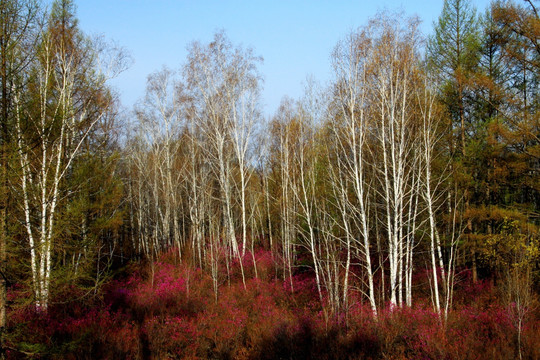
(294, 37)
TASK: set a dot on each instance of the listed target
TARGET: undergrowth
(168, 310)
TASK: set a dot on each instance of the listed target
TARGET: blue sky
(295, 38)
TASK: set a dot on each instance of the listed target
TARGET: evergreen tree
(17, 19)
(453, 53)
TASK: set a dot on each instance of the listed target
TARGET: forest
(393, 213)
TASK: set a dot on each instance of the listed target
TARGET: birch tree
(434, 192)
(244, 95)
(196, 185)
(284, 130)
(304, 190)
(223, 83)
(66, 98)
(161, 118)
(393, 79)
(352, 62)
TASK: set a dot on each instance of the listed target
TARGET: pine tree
(453, 53)
(16, 22)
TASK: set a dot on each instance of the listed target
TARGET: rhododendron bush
(167, 310)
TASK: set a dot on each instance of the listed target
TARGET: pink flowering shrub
(171, 336)
(168, 310)
(74, 332)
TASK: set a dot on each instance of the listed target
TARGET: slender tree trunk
(4, 181)
(4, 185)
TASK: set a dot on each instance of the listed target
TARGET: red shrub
(168, 310)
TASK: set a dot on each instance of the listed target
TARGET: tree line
(420, 156)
